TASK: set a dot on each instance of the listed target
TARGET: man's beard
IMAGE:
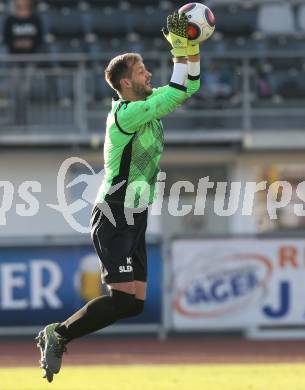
(141, 90)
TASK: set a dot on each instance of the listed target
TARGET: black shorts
(121, 248)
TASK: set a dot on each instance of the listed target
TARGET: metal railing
(64, 98)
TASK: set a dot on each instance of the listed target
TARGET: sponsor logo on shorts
(129, 260)
(128, 267)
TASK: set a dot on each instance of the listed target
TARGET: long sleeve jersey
(134, 144)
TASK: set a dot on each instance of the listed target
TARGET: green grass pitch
(160, 377)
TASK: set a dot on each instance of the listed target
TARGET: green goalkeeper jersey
(134, 144)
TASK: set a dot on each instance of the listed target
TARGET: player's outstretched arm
(132, 115)
(193, 79)
(186, 48)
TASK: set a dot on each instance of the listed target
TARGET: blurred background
(247, 123)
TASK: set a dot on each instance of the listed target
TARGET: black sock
(99, 313)
(137, 307)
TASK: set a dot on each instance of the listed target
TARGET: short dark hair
(120, 67)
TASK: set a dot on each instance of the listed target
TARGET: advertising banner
(39, 285)
(237, 283)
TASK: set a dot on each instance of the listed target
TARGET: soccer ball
(201, 21)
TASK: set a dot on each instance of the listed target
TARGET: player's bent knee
(137, 308)
(123, 302)
(126, 304)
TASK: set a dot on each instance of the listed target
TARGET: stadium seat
(102, 23)
(63, 3)
(102, 3)
(65, 23)
(52, 86)
(40, 90)
(284, 43)
(144, 3)
(218, 81)
(235, 21)
(55, 49)
(228, 44)
(301, 17)
(65, 88)
(114, 45)
(291, 86)
(44, 17)
(276, 19)
(95, 47)
(66, 46)
(301, 81)
(2, 18)
(97, 88)
(152, 21)
(60, 82)
(3, 49)
(284, 82)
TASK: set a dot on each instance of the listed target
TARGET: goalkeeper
(132, 150)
